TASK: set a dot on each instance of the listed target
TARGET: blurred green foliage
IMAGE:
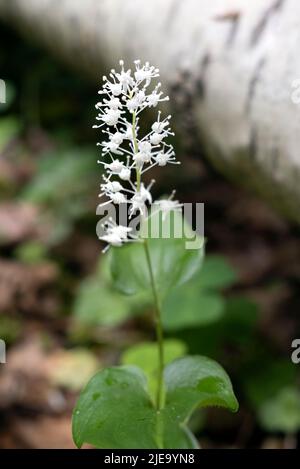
(9, 129)
(281, 413)
(10, 329)
(62, 186)
(32, 252)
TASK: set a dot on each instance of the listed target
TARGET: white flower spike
(125, 94)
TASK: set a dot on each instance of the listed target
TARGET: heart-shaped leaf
(199, 303)
(188, 307)
(195, 381)
(116, 411)
(172, 262)
(96, 304)
(216, 273)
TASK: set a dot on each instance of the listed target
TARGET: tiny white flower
(115, 167)
(154, 98)
(146, 72)
(163, 158)
(116, 235)
(111, 146)
(145, 192)
(144, 154)
(142, 74)
(128, 132)
(122, 231)
(125, 174)
(137, 204)
(117, 138)
(112, 239)
(140, 96)
(136, 101)
(132, 104)
(125, 78)
(146, 157)
(118, 198)
(156, 138)
(113, 103)
(145, 146)
(140, 198)
(139, 159)
(111, 116)
(168, 205)
(116, 88)
(158, 127)
(111, 186)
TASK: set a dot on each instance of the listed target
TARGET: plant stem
(159, 330)
(157, 307)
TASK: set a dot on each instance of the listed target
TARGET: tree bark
(232, 69)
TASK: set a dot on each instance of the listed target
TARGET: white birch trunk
(231, 68)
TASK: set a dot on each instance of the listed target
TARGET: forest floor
(47, 360)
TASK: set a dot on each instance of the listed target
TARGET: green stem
(158, 325)
(159, 330)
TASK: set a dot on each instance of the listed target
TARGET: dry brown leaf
(18, 222)
(23, 287)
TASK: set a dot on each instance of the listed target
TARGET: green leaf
(235, 328)
(115, 411)
(216, 273)
(195, 381)
(177, 435)
(192, 382)
(282, 413)
(145, 356)
(199, 303)
(188, 306)
(172, 263)
(96, 304)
